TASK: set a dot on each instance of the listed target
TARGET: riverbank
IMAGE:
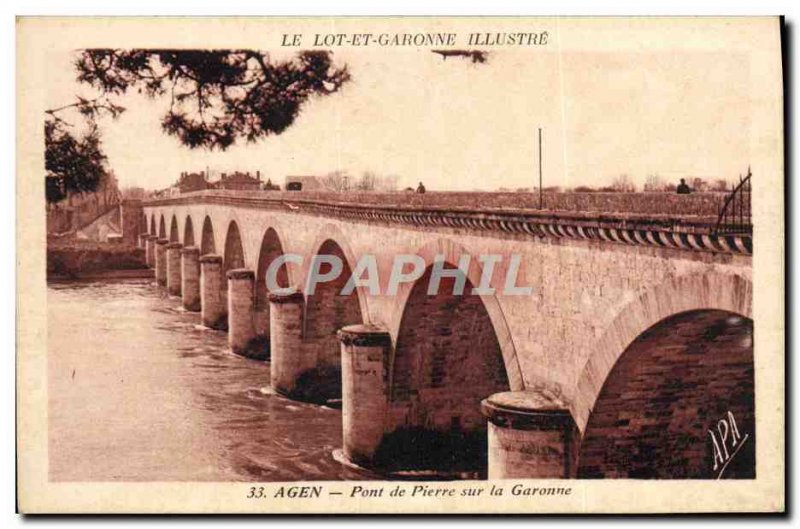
(78, 259)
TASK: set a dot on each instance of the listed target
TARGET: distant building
(167, 192)
(305, 183)
(239, 181)
(192, 182)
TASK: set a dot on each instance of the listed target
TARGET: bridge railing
(693, 233)
(735, 214)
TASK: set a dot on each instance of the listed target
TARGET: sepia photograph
(398, 264)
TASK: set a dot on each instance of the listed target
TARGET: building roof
(192, 181)
(239, 177)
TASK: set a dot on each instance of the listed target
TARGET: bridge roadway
(431, 369)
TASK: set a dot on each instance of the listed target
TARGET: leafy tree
(74, 161)
(73, 164)
(623, 184)
(336, 181)
(367, 182)
(654, 183)
(699, 185)
(135, 193)
(720, 185)
(217, 97)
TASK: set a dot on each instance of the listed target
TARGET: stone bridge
(632, 348)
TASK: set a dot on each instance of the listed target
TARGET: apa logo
(726, 443)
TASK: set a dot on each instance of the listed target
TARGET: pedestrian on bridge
(683, 188)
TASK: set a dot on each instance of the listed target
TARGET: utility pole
(541, 199)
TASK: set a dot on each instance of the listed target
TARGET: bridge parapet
(687, 232)
(705, 204)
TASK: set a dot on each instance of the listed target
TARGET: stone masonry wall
(269, 251)
(327, 311)
(447, 360)
(131, 221)
(174, 236)
(234, 253)
(207, 244)
(188, 233)
(670, 387)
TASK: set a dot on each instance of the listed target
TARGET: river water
(139, 391)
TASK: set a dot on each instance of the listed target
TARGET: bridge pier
(190, 278)
(288, 356)
(150, 250)
(174, 268)
(531, 435)
(142, 240)
(241, 330)
(212, 304)
(261, 320)
(366, 351)
(161, 262)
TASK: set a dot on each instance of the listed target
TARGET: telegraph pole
(541, 200)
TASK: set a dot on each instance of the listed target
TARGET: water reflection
(139, 391)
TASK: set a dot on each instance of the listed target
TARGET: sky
(456, 125)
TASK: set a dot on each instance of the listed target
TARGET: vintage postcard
(400, 265)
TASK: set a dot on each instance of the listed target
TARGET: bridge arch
(174, 234)
(233, 257)
(207, 244)
(447, 358)
(143, 223)
(271, 248)
(152, 224)
(188, 231)
(162, 228)
(331, 233)
(729, 292)
(326, 310)
(672, 365)
(452, 253)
